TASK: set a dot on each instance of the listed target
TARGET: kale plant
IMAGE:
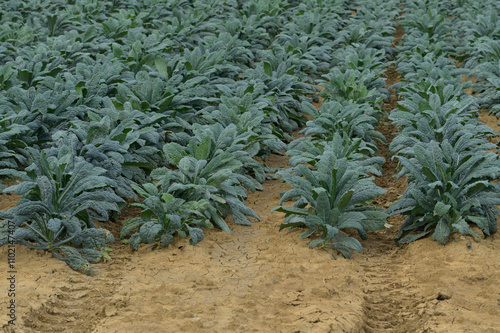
(462, 133)
(163, 216)
(355, 120)
(309, 151)
(487, 86)
(354, 86)
(449, 189)
(217, 179)
(60, 197)
(285, 93)
(247, 114)
(330, 198)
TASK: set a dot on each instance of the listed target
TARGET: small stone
(469, 245)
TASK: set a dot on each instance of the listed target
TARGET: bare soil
(259, 279)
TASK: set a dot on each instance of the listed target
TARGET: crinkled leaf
(149, 231)
(196, 235)
(75, 260)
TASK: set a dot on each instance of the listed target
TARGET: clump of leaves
(429, 22)
(432, 110)
(116, 141)
(487, 86)
(285, 93)
(205, 172)
(449, 190)
(246, 113)
(428, 70)
(163, 216)
(245, 146)
(330, 198)
(309, 151)
(355, 120)
(462, 133)
(60, 197)
(353, 85)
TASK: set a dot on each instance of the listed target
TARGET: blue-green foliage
(442, 147)
(60, 197)
(451, 187)
(331, 188)
(330, 198)
(163, 216)
(356, 120)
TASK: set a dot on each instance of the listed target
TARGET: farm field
(249, 166)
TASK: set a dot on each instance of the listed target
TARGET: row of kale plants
(167, 103)
(442, 148)
(332, 166)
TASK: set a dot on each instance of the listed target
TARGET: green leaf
(134, 241)
(323, 208)
(481, 222)
(91, 255)
(149, 231)
(440, 209)
(291, 225)
(167, 197)
(196, 235)
(345, 244)
(315, 243)
(161, 66)
(290, 210)
(75, 260)
(344, 201)
(166, 239)
(204, 148)
(374, 220)
(217, 198)
(150, 189)
(54, 225)
(463, 227)
(307, 233)
(219, 177)
(129, 225)
(442, 231)
(268, 69)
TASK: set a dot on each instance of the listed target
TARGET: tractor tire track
(390, 297)
(62, 310)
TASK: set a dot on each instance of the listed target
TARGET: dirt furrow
(390, 299)
(61, 310)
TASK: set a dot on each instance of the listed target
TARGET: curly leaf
(75, 260)
(149, 231)
(196, 235)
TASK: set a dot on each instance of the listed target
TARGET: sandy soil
(259, 279)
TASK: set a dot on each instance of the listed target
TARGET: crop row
(442, 148)
(332, 165)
